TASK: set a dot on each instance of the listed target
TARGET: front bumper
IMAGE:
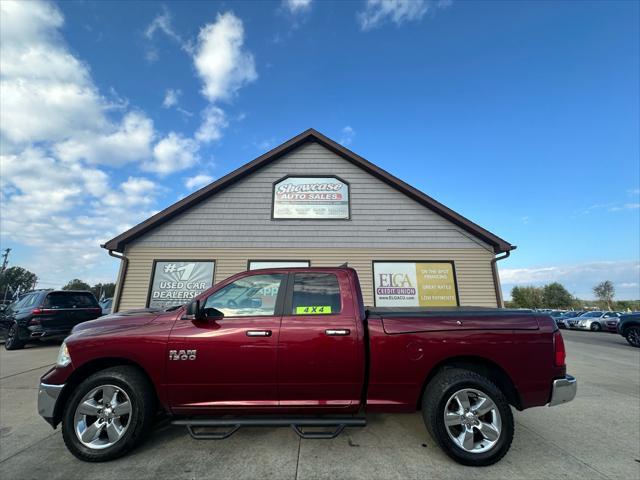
(563, 390)
(47, 399)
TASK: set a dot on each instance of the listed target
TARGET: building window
(250, 296)
(315, 294)
(429, 283)
(256, 264)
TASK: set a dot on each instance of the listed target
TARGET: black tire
(595, 327)
(143, 406)
(12, 340)
(632, 335)
(439, 391)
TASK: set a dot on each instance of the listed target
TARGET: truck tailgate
(395, 322)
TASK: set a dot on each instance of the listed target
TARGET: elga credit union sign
(177, 282)
(311, 197)
(409, 284)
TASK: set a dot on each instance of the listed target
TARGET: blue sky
(522, 116)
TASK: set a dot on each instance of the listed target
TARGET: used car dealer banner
(177, 282)
(412, 284)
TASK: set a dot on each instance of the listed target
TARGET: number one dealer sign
(413, 284)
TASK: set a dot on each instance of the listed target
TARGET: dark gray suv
(46, 314)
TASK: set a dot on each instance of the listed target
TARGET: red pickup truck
(297, 347)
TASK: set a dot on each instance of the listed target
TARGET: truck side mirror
(213, 314)
(194, 312)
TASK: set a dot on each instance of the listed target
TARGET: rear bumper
(47, 399)
(38, 331)
(563, 390)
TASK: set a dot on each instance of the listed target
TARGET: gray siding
(473, 266)
(240, 215)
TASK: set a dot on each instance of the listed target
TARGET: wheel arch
(89, 368)
(482, 366)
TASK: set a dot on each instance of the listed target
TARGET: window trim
(278, 308)
(453, 270)
(288, 304)
(277, 260)
(153, 273)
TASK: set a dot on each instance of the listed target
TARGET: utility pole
(5, 260)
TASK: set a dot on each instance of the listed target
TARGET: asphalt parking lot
(596, 436)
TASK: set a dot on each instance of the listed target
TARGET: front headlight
(64, 358)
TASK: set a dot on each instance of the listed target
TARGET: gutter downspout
(124, 264)
(496, 278)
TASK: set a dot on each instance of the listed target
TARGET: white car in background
(594, 321)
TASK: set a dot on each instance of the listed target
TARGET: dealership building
(311, 202)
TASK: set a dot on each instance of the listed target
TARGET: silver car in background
(594, 321)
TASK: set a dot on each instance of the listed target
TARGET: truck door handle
(258, 333)
(337, 332)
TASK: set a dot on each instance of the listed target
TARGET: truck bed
(411, 319)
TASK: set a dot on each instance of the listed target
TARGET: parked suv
(46, 314)
(629, 328)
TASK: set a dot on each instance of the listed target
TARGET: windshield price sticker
(313, 310)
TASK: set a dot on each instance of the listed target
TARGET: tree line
(17, 280)
(555, 295)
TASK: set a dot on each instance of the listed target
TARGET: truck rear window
(315, 294)
(70, 300)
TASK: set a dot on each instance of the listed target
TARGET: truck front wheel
(468, 417)
(108, 414)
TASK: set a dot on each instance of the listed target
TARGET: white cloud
(625, 206)
(47, 93)
(171, 97)
(199, 181)
(171, 154)
(57, 131)
(220, 60)
(348, 134)
(55, 127)
(379, 12)
(130, 142)
(213, 122)
(578, 278)
(163, 22)
(134, 192)
(296, 6)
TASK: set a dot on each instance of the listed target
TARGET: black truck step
(195, 426)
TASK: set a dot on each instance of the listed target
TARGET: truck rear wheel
(108, 414)
(468, 417)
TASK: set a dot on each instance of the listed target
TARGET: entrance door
(320, 354)
(234, 363)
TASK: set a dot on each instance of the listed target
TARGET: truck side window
(316, 294)
(250, 296)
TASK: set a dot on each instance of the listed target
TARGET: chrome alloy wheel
(472, 420)
(102, 417)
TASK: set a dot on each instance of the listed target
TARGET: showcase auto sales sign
(311, 197)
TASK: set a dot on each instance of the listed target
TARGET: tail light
(560, 354)
(42, 311)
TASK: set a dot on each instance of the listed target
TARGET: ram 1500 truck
(297, 347)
